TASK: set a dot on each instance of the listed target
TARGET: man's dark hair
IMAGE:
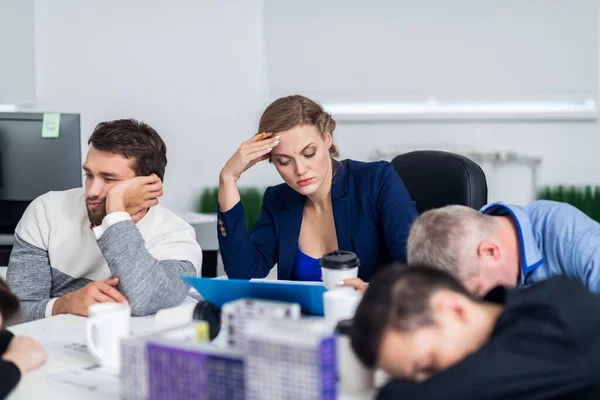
(9, 304)
(132, 139)
(398, 297)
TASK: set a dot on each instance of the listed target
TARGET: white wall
(192, 69)
(17, 85)
(398, 50)
(198, 72)
(469, 50)
(569, 150)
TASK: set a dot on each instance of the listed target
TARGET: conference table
(71, 373)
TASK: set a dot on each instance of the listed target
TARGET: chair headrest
(437, 178)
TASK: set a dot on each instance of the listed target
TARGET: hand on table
(79, 301)
(26, 353)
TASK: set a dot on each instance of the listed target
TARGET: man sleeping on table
(424, 329)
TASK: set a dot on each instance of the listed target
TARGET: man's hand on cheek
(134, 196)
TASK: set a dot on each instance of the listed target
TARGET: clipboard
(309, 295)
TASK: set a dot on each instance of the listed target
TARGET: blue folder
(220, 291)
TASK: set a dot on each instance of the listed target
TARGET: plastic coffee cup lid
(340, 260)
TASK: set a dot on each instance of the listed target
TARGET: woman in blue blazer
(324, 204)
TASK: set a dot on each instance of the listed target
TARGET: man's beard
(96, 216)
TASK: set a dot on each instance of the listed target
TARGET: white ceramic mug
(340, 304)
(107, 325)
(337, 266)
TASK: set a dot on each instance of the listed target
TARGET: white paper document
(94, 380)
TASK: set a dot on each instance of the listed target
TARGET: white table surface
(57, 335)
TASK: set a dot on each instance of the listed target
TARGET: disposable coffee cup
(337, 266)
(339, 305)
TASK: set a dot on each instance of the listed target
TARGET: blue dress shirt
(555, 239)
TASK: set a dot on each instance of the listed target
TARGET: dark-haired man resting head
(109, 241)
(423, 328)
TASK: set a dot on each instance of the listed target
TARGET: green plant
(209, 200)
(586, 199)
(588, 202)
(251, 200)
(596, 210)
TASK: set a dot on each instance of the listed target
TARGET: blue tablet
(220, 291)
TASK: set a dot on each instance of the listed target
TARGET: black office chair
(437, 178)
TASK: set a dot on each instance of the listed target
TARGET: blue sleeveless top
(306, 268)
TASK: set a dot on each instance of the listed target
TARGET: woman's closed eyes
(284, 163)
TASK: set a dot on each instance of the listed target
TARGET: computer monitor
(31, 165)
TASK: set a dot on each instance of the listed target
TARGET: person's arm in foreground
(19, 356)
(9, 372)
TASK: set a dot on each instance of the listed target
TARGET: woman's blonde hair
(289, 112)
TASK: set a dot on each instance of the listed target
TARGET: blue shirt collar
(531, 256)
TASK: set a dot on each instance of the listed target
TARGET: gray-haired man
(508, 245)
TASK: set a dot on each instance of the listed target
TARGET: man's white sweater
(56, 252)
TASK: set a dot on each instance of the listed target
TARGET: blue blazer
(372, 211)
